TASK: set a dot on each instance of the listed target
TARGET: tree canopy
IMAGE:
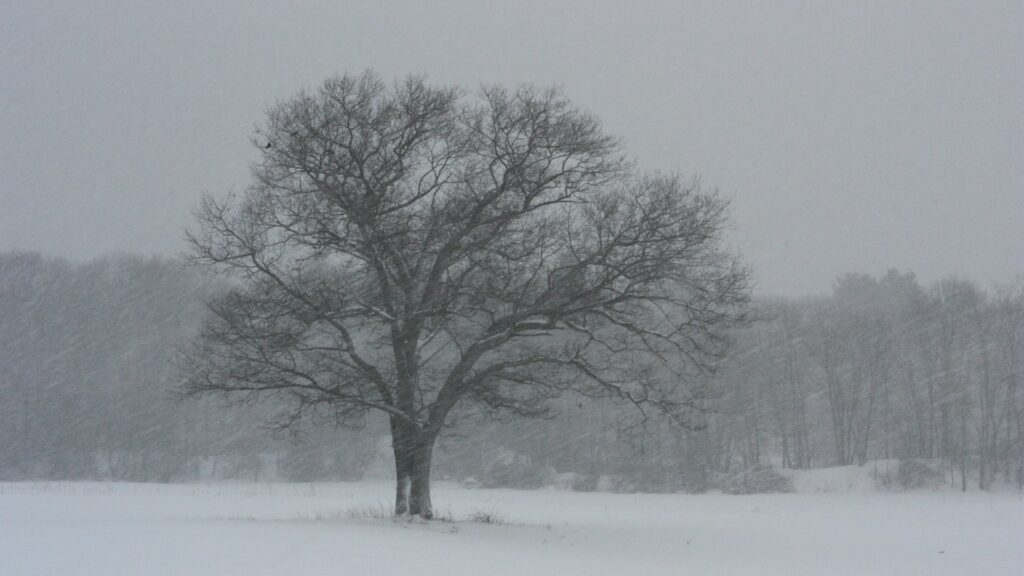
(404, 248)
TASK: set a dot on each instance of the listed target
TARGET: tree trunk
(402, 486)
(419, 497)
(403, 466)
(413, 449)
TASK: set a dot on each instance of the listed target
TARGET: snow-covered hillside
(311, 529)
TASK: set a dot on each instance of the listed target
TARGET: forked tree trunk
(413, 449)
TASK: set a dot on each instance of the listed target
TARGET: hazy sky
(852, 136)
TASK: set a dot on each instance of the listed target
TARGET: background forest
(921, 383)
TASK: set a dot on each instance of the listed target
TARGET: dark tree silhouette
(403, 249)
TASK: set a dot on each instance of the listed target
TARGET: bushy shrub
(912, 474)
(754, 481)
(512, 470)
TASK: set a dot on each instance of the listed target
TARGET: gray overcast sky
(853, 136)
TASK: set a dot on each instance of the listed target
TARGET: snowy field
(303, 529)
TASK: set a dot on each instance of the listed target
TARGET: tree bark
(413, 450)
(419, 497)
(403, 467)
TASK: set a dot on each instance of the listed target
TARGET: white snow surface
(114, 529)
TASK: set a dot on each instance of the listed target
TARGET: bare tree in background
(405, 248)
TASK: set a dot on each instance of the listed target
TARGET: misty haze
(521, 288)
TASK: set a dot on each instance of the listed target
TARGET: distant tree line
(923, 384)
(84, 379)
(882, 369)
(88, 389)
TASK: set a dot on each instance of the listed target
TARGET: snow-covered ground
(280, 529)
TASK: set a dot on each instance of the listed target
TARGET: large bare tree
(404, 248)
